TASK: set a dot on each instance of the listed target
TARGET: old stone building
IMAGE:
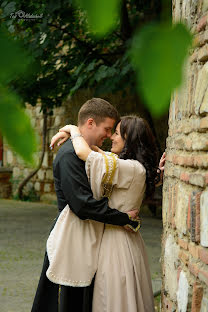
(185, 192)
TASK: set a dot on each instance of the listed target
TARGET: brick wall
(185, 191)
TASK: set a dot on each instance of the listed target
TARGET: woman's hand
(162, 162)
(59, 137)
(161, 169)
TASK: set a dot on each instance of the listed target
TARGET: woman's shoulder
(99, 156)
(135, 164)
(139, 166)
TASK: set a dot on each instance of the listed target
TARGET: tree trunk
(26, 180)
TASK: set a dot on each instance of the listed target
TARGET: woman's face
(117, 141)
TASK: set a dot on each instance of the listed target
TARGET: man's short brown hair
(98, 109)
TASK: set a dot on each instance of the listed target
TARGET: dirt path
(24, 228)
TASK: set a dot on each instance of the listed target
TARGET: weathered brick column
(185, 192)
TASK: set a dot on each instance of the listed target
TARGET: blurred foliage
(13, 59)
(68, 57)
(15, 125)
(117, 50)
(158, 53)
(102, 15)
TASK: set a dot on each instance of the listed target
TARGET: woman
(122, 281)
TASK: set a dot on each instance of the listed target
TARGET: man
(96, 120)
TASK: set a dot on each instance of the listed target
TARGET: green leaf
(13, 58)
(9, 7)
(15, 126)
(91, 66)
(102, 15)
(101, 73)
(158, 53)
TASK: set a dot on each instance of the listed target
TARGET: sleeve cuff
(134, 224)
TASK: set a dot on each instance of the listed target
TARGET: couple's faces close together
(104, 130)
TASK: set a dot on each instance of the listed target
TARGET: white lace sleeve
(101, 172)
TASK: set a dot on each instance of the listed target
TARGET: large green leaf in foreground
(102, 15)
(13, 58)
(158, 53)
(15, 125)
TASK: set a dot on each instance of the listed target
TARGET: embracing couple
(96, 259)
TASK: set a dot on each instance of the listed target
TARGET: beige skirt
(123, 281)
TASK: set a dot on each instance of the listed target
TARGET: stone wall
(41, 185)
(185, 191)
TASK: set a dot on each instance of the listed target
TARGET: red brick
(189, 161)
(197, 228)
(189, 144)
(180, 160)
(170, 204)
(206, 178)
(174, 204)
(167, 304)
(193, 216)
(184, 177)
(197, 297)
(183, 160)
(203, 276)
(193, 268)
(174, 159)
(178, 273)
(197, 179)
(189, 214)
(182, 243)
(203, 254)
(184, 256)
(169, 157)
(197, 161)
(204, 123)
(202, 23)
(193, 250)
(201, 161)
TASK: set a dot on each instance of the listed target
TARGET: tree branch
(26, 180)
(126, 30)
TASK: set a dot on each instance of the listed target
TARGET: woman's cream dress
(78, 249)
(122, 282)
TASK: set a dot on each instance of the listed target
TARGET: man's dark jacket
(73, 188)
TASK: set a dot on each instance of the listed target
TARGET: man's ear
(90, 123)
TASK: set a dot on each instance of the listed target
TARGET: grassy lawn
(24, 228)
